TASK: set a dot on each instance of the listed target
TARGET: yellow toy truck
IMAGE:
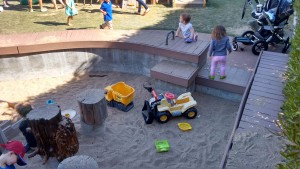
(163, 107)
(120, 95)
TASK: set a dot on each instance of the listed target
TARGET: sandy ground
(126, 141)
(255, 149)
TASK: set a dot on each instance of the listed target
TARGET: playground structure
(161, 74)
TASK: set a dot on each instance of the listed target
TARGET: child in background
(106, 10)
(23, 109)
(70, 11)
(13, 153)
(185, 29)
(5, 4)
(219, 45)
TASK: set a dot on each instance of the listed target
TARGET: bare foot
(69, 24)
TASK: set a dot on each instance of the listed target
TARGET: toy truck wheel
(163, 117)
(190, 113)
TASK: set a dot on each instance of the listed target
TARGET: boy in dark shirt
(23, 109)
(106, 10)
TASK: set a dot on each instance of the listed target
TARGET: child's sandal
(211, 77)
(222, 77)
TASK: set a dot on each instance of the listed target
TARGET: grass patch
(16, 19)
(290, 119)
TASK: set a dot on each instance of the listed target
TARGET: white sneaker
(44, 9)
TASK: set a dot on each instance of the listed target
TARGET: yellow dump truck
(120, 95)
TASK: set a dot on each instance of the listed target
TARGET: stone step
(5, 124)
(175, 73)
(189, 3)
(11, 130)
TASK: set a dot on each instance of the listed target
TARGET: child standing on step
(219, 45)
(106, 10)
(185, 29)
(70, 11)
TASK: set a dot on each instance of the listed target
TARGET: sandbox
(126, 141)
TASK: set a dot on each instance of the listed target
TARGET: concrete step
(188, 3)
(11, 130)
(175, 73)
(5, 123)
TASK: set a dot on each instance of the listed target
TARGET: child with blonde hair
(219, 45)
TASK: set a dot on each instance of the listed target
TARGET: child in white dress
(185, 29)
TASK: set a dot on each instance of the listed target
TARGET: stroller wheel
(259, 46)
(249, 35)
(286, 47)
(235, 46)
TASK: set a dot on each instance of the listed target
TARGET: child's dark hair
(218, 32)
(186, 17)
(23, 108)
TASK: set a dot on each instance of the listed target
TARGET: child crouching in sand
(70, 11)
(217, 51)
(12, 153)
(23, 109)
(185, 29)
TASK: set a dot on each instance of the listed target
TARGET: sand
(125, 141)
(255, 149)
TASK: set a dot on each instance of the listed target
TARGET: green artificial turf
(17, 19)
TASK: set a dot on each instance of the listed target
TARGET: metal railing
(173, 36)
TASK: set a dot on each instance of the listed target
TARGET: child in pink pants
(219, 45)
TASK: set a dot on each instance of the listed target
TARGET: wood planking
(265, 97)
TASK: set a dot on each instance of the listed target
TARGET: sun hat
(18, 148)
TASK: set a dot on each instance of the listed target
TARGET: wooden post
(92, 103)
(55, 134)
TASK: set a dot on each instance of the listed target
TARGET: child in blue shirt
(185, 29)
(106, 10)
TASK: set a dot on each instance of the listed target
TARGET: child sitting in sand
(70, 11)
(185, 29)
(217, 51)
(23, 109)
(13, 153)
(106, 10)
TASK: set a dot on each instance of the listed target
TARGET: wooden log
(55, 134)
(92, 103)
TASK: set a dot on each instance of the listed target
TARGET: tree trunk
(55, 134)
(92, 103)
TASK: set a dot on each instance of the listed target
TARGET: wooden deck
(149, 41)
(265, 97)
(190, 3)
(236, 79)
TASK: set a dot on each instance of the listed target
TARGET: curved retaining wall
(57, 63)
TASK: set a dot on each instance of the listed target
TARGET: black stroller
(270, 31)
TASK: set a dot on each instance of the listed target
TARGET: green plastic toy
(162, 146)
